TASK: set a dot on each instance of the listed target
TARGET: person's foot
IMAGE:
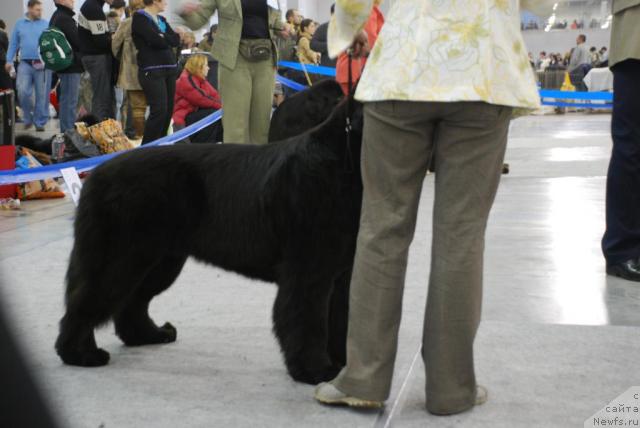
(27, 126)
(39, 128)
(326, 393)
(629, 270)
(482, 395)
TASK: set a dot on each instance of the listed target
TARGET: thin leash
(348, 126)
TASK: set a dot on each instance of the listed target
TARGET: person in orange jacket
(372, 28)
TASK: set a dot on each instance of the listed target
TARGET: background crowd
(130, 64)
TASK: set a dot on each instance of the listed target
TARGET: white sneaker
(481, 395)
(326, 393)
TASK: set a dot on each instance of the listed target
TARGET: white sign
(73, 182)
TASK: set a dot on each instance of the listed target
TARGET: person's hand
(189, 7)
(285, 33)
(7, 67)
(360, 45)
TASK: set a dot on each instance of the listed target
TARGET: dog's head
(305, 110)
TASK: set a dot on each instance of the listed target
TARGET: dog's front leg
(300, 322)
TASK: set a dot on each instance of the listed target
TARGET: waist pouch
(255, 50)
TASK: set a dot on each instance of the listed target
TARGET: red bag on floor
(7, 162)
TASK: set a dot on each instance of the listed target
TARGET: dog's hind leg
(300, 318)
(132, 322)
(91, 300)
(339, 318)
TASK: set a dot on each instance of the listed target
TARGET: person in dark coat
(319, 43)
(5, 79)
(156, 41)
(63, 20)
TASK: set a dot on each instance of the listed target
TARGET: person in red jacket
(196, 99)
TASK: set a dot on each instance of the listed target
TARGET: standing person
(621, 241)
(62, 19)
(207, 41)
(594, 56)
(372, 28)
(124, 49)
(319, 43)
(196, 99)
(5, 80)
(157, 65)
(579, 63)
(31, 74)
(117, 14)
(454, 98)
(604, 57)
(294, 19)
(246, 51)
(95, 47)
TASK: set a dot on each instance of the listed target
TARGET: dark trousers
(159, 88)
(210, 134)
(103, 101)
(621, 241)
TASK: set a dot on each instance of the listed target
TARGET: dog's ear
(322, 99)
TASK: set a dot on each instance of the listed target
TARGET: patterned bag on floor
(107, 135)
(40, 189)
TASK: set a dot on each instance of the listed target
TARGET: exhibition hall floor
(558, 340)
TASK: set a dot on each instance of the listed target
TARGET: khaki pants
(138, 103)
(468, 141)
(247, 97)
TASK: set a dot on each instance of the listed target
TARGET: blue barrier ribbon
(83, 165)
(544, 93)
(578, 105)
(314, 69)
(290, 83)
(602, 96)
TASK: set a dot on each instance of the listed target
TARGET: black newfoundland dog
(286, 212)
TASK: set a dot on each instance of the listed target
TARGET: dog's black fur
(304, 110)
(286, 213)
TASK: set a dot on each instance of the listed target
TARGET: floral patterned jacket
(443, 51)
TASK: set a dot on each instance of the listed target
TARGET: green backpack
(55, 50)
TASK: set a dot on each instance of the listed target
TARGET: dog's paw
(85, 358)
(314, 376)
(167, 333)
(149, 336)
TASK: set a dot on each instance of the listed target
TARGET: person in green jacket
(245, 49)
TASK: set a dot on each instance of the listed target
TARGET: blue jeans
(28, 79)
(69, 90)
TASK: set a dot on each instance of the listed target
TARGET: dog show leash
(348, 126)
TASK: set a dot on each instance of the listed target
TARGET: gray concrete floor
(558, 341)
